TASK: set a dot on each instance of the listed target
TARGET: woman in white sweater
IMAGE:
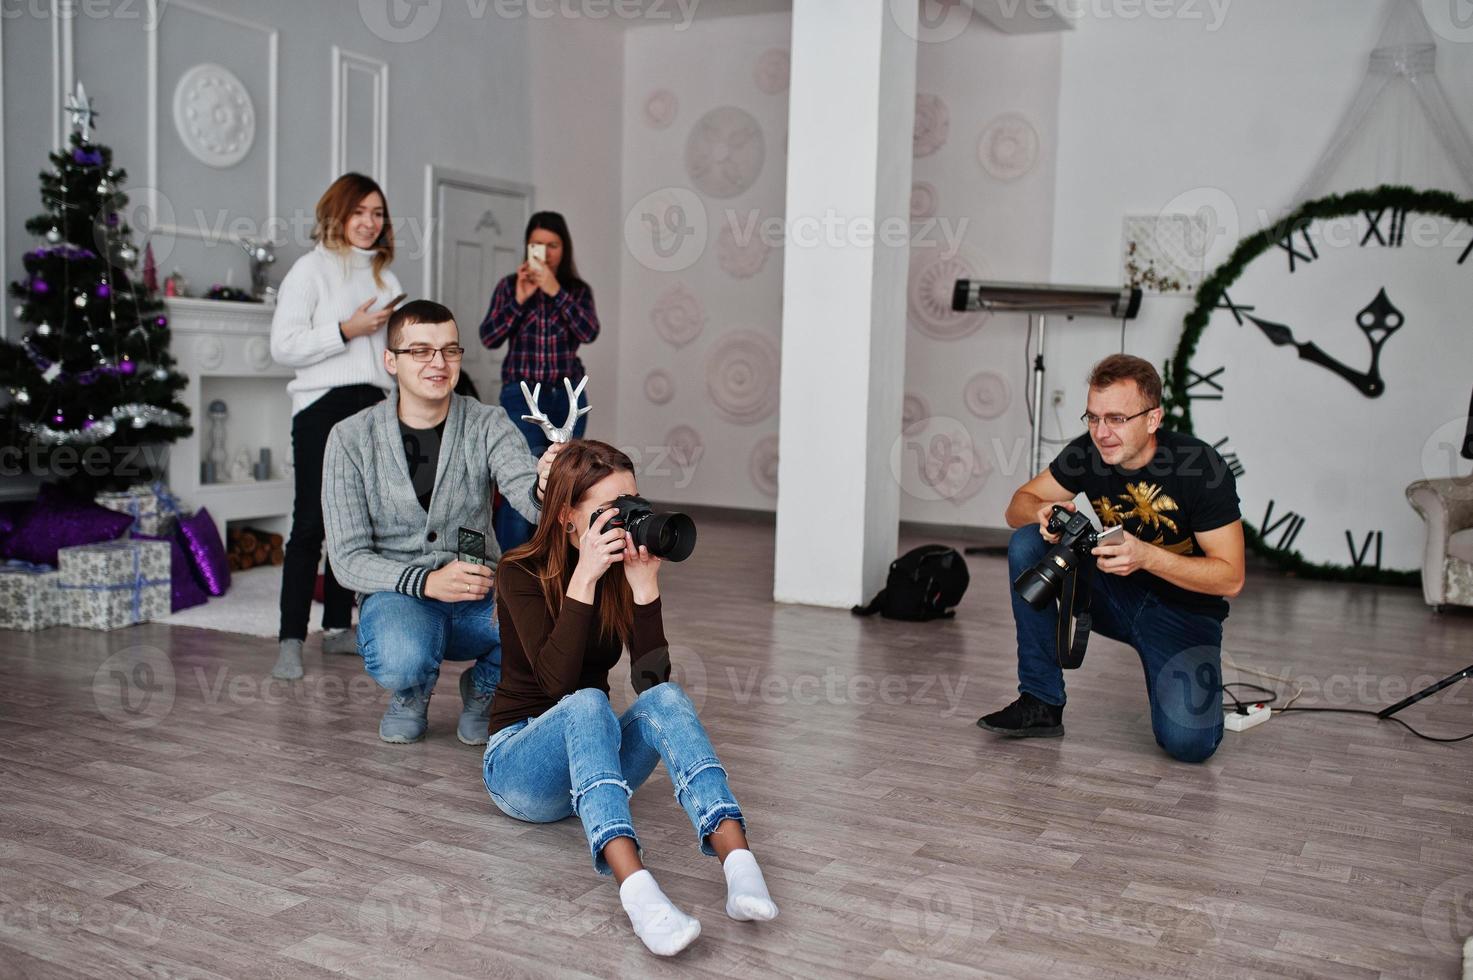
(329, 326)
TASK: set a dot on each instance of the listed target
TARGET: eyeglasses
(1114, 421)
(424, 354)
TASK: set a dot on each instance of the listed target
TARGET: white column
(851, 109)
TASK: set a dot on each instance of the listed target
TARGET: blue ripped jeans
(1180, 651)
(404, 640)
(578, 757)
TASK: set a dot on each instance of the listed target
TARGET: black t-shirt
(1185, 489)
(422, 452)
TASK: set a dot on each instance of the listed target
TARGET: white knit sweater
(322, 290)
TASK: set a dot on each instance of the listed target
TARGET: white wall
(577, 124)
(690, 451)
(459, 96)
(1165, 114)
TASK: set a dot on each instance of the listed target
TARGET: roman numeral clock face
(1337, 369)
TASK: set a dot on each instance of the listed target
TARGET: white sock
(662, 927)
(746, 890)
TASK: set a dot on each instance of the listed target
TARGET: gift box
(153, 509)
(114, 584)
(29, 596)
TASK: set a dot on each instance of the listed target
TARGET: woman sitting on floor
(569, 600)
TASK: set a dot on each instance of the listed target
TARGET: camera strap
(1072, 634)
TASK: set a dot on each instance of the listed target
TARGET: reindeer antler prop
(553, 433)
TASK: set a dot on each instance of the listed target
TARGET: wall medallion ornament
(659, 386)
(742, 377)
(1008, 147)
(661, 108)
(678, 316)
(762, 465)
(741, 252)
(771, 72)
(214, 116)
(932, 125)
(724, 152)
(987, 395)
(931, 284)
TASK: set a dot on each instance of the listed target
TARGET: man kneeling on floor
(399, 481)
(1162, 587)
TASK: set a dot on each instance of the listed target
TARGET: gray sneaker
(475, 712)
(406, 719)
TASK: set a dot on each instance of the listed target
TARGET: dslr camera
(669, 536)
(1043, 583)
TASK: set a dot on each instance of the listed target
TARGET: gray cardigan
(378, 536)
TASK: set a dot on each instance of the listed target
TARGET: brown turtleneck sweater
(544, 659)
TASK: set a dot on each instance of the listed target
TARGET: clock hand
(1282, 336)
(1378, 321)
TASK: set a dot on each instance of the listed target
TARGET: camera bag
(924, 583)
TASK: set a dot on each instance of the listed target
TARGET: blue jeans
(512, 528)
(577, 757)
(404, 640)
(1180, 651)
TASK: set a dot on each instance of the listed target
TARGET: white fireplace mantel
(224, 349)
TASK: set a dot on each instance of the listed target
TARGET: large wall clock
(1330, 361)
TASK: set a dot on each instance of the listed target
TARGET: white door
(478, 225)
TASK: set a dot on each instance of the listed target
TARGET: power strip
(1234, 722)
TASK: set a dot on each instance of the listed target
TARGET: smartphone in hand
(537, 252)
(1111, 535)
(472, 546)
(396, 301)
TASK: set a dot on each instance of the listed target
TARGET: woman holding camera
(569, 601)
(543, 312)
(329, 326)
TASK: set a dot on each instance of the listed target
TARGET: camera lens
(669, 536)
(1040, 585)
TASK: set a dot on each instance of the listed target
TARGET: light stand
(1425, 692)
(1041, 300)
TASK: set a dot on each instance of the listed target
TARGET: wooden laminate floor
(165, 810)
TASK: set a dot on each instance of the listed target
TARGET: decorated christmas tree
(93, 366)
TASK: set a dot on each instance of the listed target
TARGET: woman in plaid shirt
(543, 311)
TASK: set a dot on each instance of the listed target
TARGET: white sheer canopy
(1400, 129)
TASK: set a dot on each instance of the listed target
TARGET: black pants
(310, 428)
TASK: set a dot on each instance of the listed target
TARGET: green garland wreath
(1174, 396)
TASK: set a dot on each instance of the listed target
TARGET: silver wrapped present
(29, 597)
(153, 509)
(113, 584)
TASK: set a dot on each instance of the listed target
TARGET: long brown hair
(567, 271)
(580, 464)
(336, 206)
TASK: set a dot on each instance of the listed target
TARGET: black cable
(1122, 335)
(1028, 374)
(1368, 711)
(1239, 706)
